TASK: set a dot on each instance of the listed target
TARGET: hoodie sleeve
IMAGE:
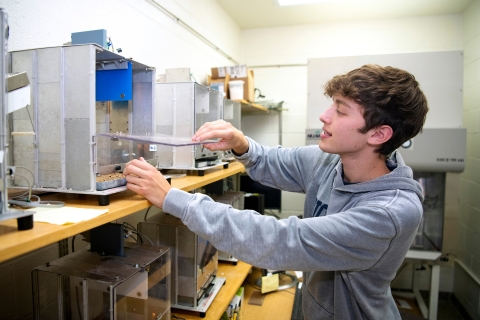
(350, 240)
(288, 169)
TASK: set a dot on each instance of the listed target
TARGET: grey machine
(24, 218)
(79, 92)
(181, 109)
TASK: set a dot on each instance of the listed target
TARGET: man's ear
(380, 135)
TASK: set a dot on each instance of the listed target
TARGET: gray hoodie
(351, 242)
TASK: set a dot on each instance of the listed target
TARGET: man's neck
(363, 169)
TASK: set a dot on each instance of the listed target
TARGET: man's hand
(231, 138)
(147, 181)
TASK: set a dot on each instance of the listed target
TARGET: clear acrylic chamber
(86, 285)
(194, 262)
(181, 108)
(77, 92)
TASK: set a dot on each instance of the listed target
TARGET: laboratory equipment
(194, 262)
(24, 218)
(87, 285)
(181, 108)
(79, 91)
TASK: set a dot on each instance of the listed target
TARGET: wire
(29, 185)
(146, 213)
(73, 243)
(134, 230)
(191, 75)
(25, 168)
(142, 235)
(46, 204)
(178, 318)
(128, 225)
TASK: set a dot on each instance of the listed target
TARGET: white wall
(137, 26)
(467, 268)
(295, 45)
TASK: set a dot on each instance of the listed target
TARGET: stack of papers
(65, 215)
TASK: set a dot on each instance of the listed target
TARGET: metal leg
(434, 289)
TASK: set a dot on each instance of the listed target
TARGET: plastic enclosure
(194, 260)
(86, 285)
(181, 108)
(65, 115)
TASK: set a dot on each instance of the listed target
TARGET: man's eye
(339, 112)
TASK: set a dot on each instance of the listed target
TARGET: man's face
(341, 124)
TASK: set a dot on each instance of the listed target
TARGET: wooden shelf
(248, 107)
(14, 243)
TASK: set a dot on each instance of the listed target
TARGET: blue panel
(94, 36)
(114, 85)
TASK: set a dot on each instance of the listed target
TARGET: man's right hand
(230, 137)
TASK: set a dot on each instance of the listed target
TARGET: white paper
(65, 215)
(221, 72)
(403, 304)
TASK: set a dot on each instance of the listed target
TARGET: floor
(448, 308)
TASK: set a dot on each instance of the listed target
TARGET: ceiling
(253, 14)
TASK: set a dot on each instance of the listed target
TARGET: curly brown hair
(389, 96)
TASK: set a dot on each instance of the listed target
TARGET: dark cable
(73, 243)
(146, 213)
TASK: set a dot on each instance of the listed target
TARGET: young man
(362, 206)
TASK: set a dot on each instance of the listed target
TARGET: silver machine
(78, 92)
(181, 109)
(24, 218)
(86, 285)
(432, 154)
(194, 262)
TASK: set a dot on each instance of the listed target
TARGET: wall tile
(471, 50)
(472, 239)
(471, 24)
(466, 291)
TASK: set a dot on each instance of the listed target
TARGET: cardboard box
(248, 86)
(222, 83)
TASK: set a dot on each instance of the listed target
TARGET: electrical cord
(28, 182)
(146, 213)
(134, 230)
(73, 243)
(25, 168)
(43, 204)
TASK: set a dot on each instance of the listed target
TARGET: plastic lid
(236, 82)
